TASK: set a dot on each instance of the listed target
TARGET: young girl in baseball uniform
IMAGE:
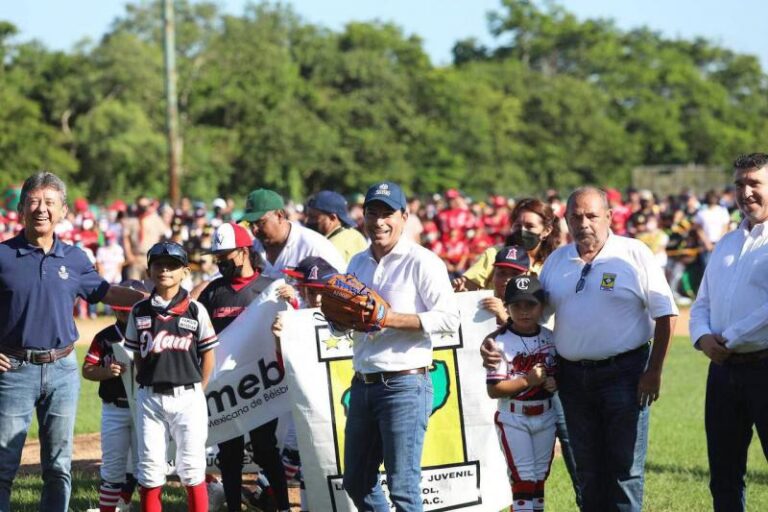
(172, 337)
(523, 383)
(118, 437)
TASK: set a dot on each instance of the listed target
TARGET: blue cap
(328, 201)
(388, 193)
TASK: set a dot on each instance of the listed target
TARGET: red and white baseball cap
(230, 236)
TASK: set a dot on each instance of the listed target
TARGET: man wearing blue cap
(391, 393)
(327, 214)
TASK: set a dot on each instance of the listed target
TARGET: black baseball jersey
(225, 302)
(100, 353)
(169, 340)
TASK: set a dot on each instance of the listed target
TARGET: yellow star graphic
(332, 343)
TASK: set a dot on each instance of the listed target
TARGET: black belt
(122, 404)
(165, 389)
(38, 356)
(747, 357)
(590, 363)
(373, 378)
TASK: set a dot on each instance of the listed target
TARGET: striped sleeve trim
(207, 344)
(92, 358)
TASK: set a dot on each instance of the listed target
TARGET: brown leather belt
(38, 356)
(373, 378)
(748, 357)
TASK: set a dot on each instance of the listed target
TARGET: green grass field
(676, 471)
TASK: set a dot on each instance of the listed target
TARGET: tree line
(267, 99)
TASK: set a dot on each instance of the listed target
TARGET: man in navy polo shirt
(40, 278)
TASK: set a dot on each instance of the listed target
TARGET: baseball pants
(528, 444)
(118, 452)
(182, 414)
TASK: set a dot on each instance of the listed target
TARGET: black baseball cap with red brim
(312, 271)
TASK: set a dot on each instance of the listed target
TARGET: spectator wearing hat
(327, 214)
(496, 219)
(282, 243)
(511, 261)
(457, 215)
(391, 393)
(225, 299)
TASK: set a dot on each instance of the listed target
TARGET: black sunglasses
(583, 278)
(170, 249)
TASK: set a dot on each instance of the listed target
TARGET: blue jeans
(608, 431)
(736, 400)
(52, 391)
(386, 422)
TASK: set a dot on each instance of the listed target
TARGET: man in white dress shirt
(729, 323)
(391, 393)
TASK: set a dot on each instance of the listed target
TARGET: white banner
(462, 465)
(248, 387)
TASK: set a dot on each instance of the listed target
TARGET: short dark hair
(42, 179)
(750, 161)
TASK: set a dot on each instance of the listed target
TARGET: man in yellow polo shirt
(327, 214)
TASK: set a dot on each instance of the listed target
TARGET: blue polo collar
(23, 247)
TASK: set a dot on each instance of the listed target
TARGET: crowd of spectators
(681, 230)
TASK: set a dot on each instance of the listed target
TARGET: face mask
(527, 239)
(229, 270)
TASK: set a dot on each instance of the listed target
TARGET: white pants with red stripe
(528, 444)
(183, 415)
(118, 452)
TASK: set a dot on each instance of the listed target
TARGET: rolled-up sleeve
(442, 314)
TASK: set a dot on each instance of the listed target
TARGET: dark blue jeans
(608, 431)
(737, 398)
(387, 422)
(51, 390)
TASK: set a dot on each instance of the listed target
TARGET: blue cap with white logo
(388, 193)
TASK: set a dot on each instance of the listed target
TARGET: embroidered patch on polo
(143, 322)
(607, 282)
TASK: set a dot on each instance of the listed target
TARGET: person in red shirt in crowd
(479, 242)
(430, 237)
(456, 216)
(89, 232)
(496, 220)
(455, 252)
(620, 213)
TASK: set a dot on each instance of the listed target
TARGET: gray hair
(586, 190)
(42, 179)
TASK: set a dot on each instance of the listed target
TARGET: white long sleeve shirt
(301, 242)
(733, 296)
(411, 279)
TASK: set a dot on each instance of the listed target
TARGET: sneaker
(123, 506)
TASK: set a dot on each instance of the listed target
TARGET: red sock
(197, 497)
(151, 499)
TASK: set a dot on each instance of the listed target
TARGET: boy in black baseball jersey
(118, 437)
(225, 299)
(172, 337)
